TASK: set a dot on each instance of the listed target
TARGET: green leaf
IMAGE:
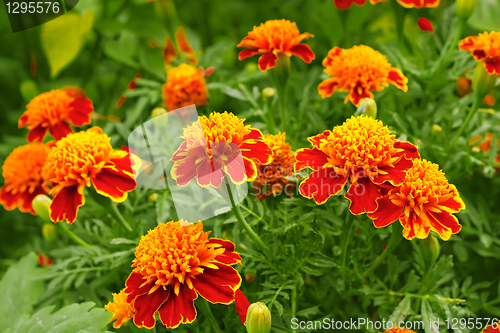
(74, 318)
(308, 312)
(63, 38)
(19, 289)
(485, 16)
(402, 310)
(124, 49)
(29, 90)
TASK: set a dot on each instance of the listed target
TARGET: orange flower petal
(113, 184)
(229, 257)
(386, 213)
(179, 308)
(183, 42)
(147, 305)
(267, 61)
(303, 51)
(419, 3)
(169, 51)
(310, 158)
(65, 204)
(322, 184)
(217, 285)
(80, 109)
(363, 196)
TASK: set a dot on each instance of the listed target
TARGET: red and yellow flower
(362, 150)
(424, 202)
(359, 70)
(44, 260)
(83, 159)
(22, 172)
(485, 47)
(53, 111)
(398, 330)
(419, 3)
(346, 4)
(122, 310)
(275, 37)
(212, 148)
(425, 25)
(490, 329)
(485, 145)
(174, 263)
(271, 178)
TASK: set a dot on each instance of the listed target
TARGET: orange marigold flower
(424, 202)
(485, 47)
(398, 330)
(272, 176)
(419, 3)
(83, 159)
(359, 70)
(490, 329)
(362, 149)
(52, 111)
(346, 4)
(275, 37)
(425, 25)
(174, 263)
(122, 310)
(211, 148)
(22, 171)
(464, 86)
(185, 86)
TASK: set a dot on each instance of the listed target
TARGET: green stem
(472, 112)
(282, 107)
(346, 233)
(205, 308)
(237, 213)
(118, 216)
(294, 304)
(394, 241)
(445, 56)
(74, 237)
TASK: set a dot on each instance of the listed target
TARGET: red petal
(445, 224)
(328, 87)
(169, 51)
(113, 184)
(247, 53)
(363, 197)
(312, 158)
(133, 286)
(267, 61)
(355, 95)
(258, 150)
(37, 133)
(209, 173)
(410, 150)
(60, 129)
(250, 169)
(398, 79)
(179, 308)
(242, 305)
(304, 52)
(147, 306)
(65, 204)
(80, 109)
(236, 170)
(386, 213)
(229, 257)
(122, 160)
(342, 4)
(493, 65)
(425, 25)
(455, 204)
(26, 198)
(322, 184)
(217, 285)
(413, 225)
(395, 175)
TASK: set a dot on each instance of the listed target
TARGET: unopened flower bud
(49, 232)
(465, 8)
(368, 107)
(430, 249)
(268, 93)
(251, 67)
(250, 278)
(158, 112)
(436, 129)
(258, 318)
(483, 82)
(41, 205)
(153, 197)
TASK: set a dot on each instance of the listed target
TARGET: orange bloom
(424, 202)
(464, 86)
(211, 148)
(272, 176)
(485, 47)
(275, 37)
(52, 111)
(183, 42)
(185, 86)
(44, 260)
(359, 70)
(121, 309)
(362, 149)
(22, 171)
(485, 145)
(419, 3)
(82, 159)
(425, 25)
(174, 263)
(398, 330)
(346, 4)
(490, 329)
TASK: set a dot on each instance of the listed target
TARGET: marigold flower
(346, 4)
(122, 310)
(362, 149)
(398, 330)
(359, 70)
(485, 47)
(275, 37)
(83, 159)
(185, 86)
(425, 25)
(419, 3)
(44, 260)
(174, 263)
(22, 172)
(272, 176)
(52, 111)
(424, 202)
(485, 145)
(183, 42)
(211, 148)
(490, 329)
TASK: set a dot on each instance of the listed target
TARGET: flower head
(52, 111)
(359, 70)
(485, 47)
(398, 330)
(174, 263)
(490, 329)
(275, 37)
(362, 150)
(211, 150)
(83, 159)
(425, 25)
(122, 310)
(185, 86)
(272, 176)
(424, 202)
(346, 4)
(22, 173)
(419, 3)
(44, 260)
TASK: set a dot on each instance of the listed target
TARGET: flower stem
(446, 55)
(346, 233)
(282, 107)
(205, 308)
(75, 238)
(237, 213)
(294, 304)
(391, 246)
(472, 112)
(118, 216)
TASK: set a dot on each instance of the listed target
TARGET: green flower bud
(368, 107)
(436, 129)
(158, 112)
(483, 82)
(258, 318)
(268, 93)
(153, 197)
(41, 205)
(251, 67)
(465, 8)
(430, 249)
(49, 232)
